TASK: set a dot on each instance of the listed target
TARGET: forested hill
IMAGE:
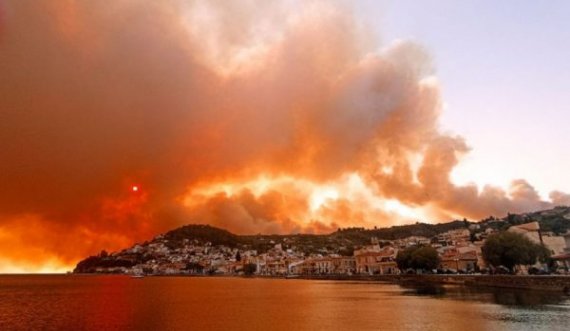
(556, 220)
(342, 241)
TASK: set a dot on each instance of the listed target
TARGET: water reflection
(501, 296)
(184, 303)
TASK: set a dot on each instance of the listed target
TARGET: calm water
(177, 303)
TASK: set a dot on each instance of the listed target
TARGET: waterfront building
(464, 259)
(556, 244)
(376, 262)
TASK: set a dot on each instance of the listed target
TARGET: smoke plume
(260, 117)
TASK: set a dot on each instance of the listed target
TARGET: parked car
(502, 270)
(536, 271)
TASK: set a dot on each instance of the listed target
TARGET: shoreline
(558, 283)
(552, 283)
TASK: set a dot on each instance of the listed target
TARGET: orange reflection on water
(194, 303)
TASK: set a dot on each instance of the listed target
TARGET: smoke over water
(259, 117)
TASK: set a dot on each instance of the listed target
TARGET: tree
(425, 258)
(346, 251)
(510, 249)
(418, 257)
(403, 259)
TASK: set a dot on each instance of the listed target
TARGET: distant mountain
(341, 242)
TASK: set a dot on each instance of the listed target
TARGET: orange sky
(272, 118)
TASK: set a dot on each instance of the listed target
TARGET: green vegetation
(556, 220)
(90, 264)
(398, 232)
(341, 242)
(509, 249)
(418, 257)
(205, 233)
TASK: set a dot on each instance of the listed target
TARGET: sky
(121, 120)
(505, 76)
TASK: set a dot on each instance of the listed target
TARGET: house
(171, 268)
(464, 258)
(368, 248)
(295, 267)
(324, 266)
(454, 236)
(412, 241)
(530, 230)
(276, 267)
(376, 262)
(344, 265)
(337, 265)
(556, 244)
(304, 267)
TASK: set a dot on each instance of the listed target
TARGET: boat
(137, 276)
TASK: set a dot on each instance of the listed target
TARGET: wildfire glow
(265, 199)
(253, 116)
(320, 197)
(47, 267)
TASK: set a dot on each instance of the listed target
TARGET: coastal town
(188, 251)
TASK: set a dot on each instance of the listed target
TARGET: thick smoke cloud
(188, 98)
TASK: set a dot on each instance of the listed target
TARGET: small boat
(137, 276)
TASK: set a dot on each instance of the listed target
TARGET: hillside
(342, 241)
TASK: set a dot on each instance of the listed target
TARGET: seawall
(542, 283)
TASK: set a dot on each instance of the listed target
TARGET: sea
(113, 302)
